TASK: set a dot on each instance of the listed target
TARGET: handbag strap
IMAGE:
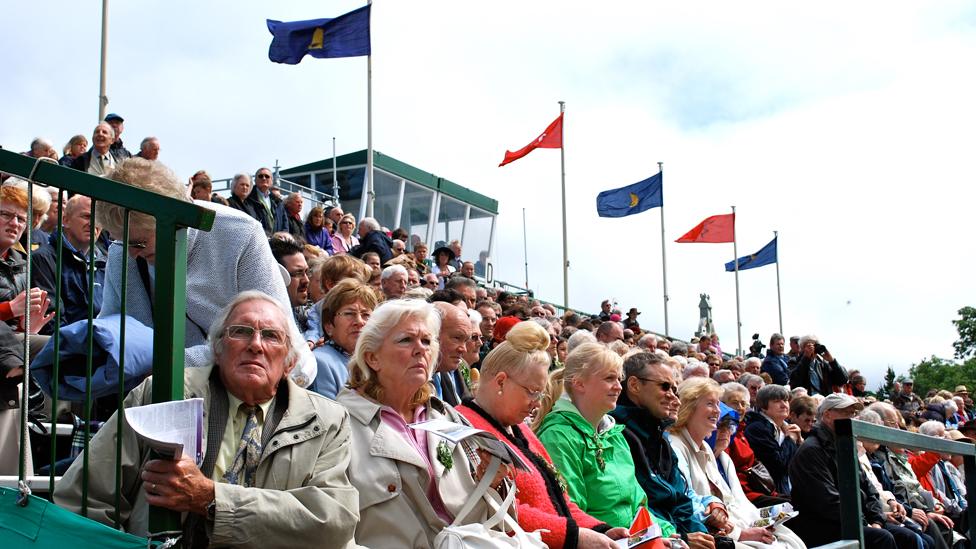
(502, 510)
(479, 491)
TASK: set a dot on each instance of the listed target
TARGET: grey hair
(753, 360)
(107, 125)
(744, 379)
(647, 341)
(578, 338)
(932, 428)
(392, 270)
(144, 174)
(380, 325)
(458, 282)
(870, 416)
(38, 141)
(238, 177)
(770, 393)
(690, 369)
(951, 405)
(807, 338)
(734, 388)
(370, 223)
(216, 335)
(776, 337)
(542, 322)
(291, 197)
(146, 141)
(679, 348)
(474, 316)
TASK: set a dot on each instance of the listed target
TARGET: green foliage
(887, 389)
(966, 326)
(939, 373)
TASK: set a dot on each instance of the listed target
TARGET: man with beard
(289, 255)
(646, 407)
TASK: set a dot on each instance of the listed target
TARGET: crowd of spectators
(323, 340)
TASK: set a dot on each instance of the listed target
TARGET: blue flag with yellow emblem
(632, 199)
(765, 256)
(343, 36)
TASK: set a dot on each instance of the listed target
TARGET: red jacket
(537, 508)
(922, 463)
(743, 458)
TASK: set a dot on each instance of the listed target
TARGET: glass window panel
(416, 212)
(387, 189)
(477, 238)
(351, 182)
(450, 221)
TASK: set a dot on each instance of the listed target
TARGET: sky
(847, 127)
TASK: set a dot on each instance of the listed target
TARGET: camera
(820, 349)
(757, 346)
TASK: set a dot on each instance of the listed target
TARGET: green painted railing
(848, 431)
(173, 217)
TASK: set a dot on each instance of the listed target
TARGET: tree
(939, 373)
(966, 326)
(886, 390)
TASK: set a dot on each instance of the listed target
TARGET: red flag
(717, 228)
(642, 521)
(551, 138)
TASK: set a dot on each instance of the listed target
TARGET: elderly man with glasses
(646, 407)
(273, 473)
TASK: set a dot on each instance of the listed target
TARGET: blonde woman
(411, 484)
(344, 240)
(586, 445)
(514, 376)
(698, 418)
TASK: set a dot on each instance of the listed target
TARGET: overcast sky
(848, 127)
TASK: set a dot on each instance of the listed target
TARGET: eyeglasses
(299, 274)
(270, 336)
(351, 315)
(477, 337)
(664, 385)
(7, 217)
(262, 176)
(139, 245)
(533, 395)
(345, 222)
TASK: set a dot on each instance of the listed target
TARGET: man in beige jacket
(274, 469)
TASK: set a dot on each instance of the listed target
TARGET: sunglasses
(665, 385)
(263, 176)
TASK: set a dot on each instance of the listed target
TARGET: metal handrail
(848, 431)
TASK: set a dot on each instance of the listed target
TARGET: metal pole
(102, 98)
(335, 177)
(664, 257)
(525, 250)
(735, 260)
(779, 296)
(370, 195)
(562, 164)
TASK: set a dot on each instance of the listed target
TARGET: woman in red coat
(513, 380)
(736, 396)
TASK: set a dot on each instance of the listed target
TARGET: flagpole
(525, 250)
(735, 260)
(562, 165)
(370, 195)
(779, 297)
(102, 98)
(335, 176)
(664, 257)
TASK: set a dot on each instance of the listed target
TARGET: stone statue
(705, 326)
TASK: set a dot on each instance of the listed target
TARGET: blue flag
(343, 36)
(632, 199)
(765, 256)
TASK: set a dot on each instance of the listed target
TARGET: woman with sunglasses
(710, 470)
(586, 445)
(344, 240)
(513, 380)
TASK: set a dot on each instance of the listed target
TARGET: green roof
(400, 169)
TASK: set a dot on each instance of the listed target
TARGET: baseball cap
(113, 116)
(839, 401)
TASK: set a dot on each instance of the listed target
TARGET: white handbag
(500, 530)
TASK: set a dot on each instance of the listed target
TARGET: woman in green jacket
(586, 445)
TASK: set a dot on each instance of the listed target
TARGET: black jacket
(11, 358)
(830, 373)
(74, 280)
(375, 241)
(13, 277)
(815, 495)
(245, 206)
(271, 221)
(656, 466)
(761, 434)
